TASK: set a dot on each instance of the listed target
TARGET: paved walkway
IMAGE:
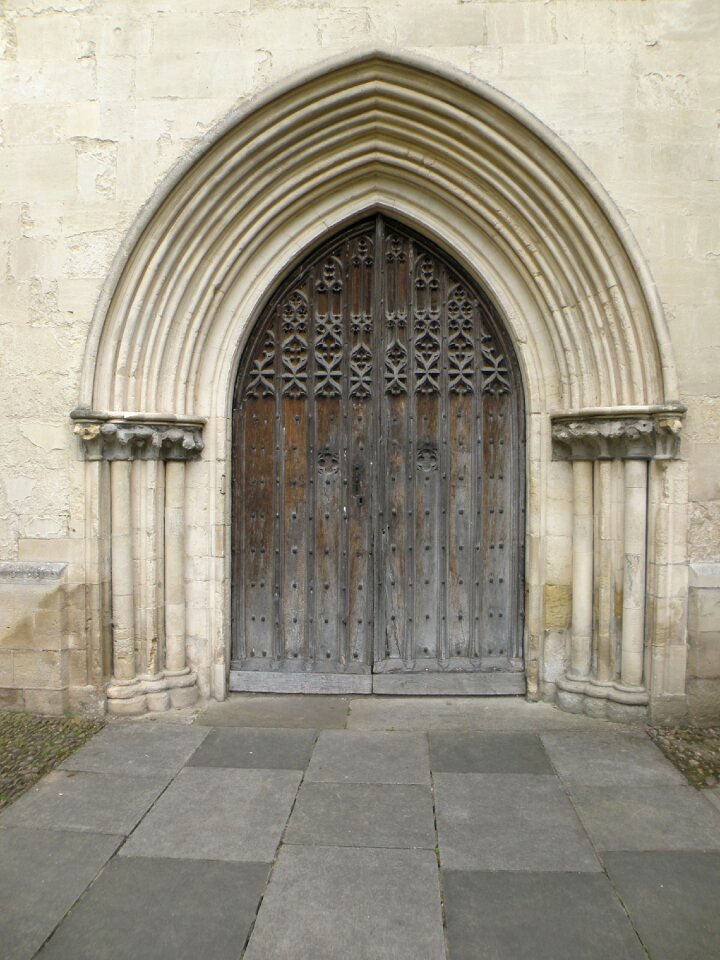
(362, 829)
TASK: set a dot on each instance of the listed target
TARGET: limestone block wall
(100, 98)
(704, 630)
(43, 654)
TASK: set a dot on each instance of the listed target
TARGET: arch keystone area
(470, 169)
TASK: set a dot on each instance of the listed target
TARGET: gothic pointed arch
(489, 185)
(445, 151)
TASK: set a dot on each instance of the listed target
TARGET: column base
(152, 693)
(604, 701)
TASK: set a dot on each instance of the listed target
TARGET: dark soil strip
(695, 751)
(31, 746)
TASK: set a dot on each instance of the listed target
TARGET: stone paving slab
(497, 821)
(96, 802)
(604, 757)
(289, 710)
(342, 756)
(218, 814)
(162, 910)
(673, 898)
(42, 873)
(252, 747)
(323, 903)
(139, 749)
(536, 916)
(364, 787)
(647, 818)
(363, 815)
(461, 713)
(454, 752)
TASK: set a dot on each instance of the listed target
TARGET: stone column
(582, 569)
(175, 566)
(97, 569)
(148, 507)
(669, 580)
(616, 445)
(603, 573)
(635, 537)
(152, 682)
(123, 601)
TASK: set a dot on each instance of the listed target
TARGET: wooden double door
(378, 469)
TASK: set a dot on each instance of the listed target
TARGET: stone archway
(484, 180)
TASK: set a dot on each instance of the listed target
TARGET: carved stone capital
(650, 433)
(138, 436)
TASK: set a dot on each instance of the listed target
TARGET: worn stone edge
(28, 571)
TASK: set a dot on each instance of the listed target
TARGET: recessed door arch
(509, 197)
(378, 478)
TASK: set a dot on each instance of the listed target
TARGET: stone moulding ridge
(375, 130)
(624, 433)
(29, 571)
(704, 575)
(137, 436)
(610, 700)
(153, 693)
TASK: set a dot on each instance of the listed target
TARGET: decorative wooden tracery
(378, 477)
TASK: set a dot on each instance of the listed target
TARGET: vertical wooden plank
(254, 491)
(328, 463)
(515, 508)
(258, 525)
(295, 333)
(278, 637)
(328, 580)
(396, 453)
(486, 573)
(294, 524)
(362, 455)
(503, 506)
(495, 505)
(429, 469)
(380, 340)
(461, 320)
(501, 379)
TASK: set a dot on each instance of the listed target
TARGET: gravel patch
(695, 751)
(31, 746)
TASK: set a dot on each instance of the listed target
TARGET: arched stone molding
(455, 159)
(316, 149)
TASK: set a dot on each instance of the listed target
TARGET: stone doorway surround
(606, 566)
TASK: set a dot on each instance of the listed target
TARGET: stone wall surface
(41, 656)
(704, 631)
(100, 98)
